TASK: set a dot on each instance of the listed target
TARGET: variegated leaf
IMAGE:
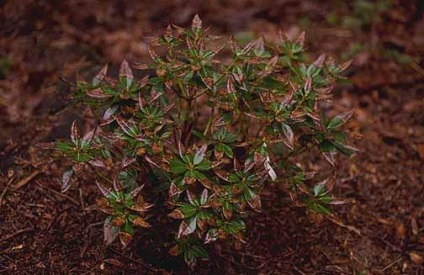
(110, 232)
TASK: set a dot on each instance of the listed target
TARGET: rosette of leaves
(212, 123)
(125, 210)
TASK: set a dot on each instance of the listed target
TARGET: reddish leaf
(228, 212)
(176, 214)
(196, 23)
(319, 62)
(204, 196)
(287, 98)
(141, 222)
(117, 185)
(127, 161)
(416, 258)
(187, 228)
(110, 232)
(338, 202)
(46, 145)
(330, 157)
(345, 65)
(134, 193)
(103, 190)
(206, 183)
(211, 236)
(88, 137)
(66, 180)
(308, 84)
(270, 170)
(259, 45)
(288, 132)
(191, 197)
(233, 44)
(75, 135)
(283, 36)
(100, 76)
(125, 238)
(104, 206)
(230, 86)
(118, 221)
(248, 165)
(255, 203)
(258, 159)
(189, 180)
(174, 251)
(107, 115)
(200, 154)
(301, 39)
(346, 116)
(174, 190)
(168, 32)
(143, 207)
(97, 163)
(126, 72)
(141, 66)
(152, 53)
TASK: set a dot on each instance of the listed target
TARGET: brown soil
(380, 230)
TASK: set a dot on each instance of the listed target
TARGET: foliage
(212, 124)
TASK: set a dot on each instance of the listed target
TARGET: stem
(98, 173)
(208, 125)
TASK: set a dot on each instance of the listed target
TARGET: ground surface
(380, 230)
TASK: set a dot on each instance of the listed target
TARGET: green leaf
(327, 146)
(222, 147)
(345, 149)
(64, 147)
(325, 199)
(189, 257)
(199, 251)
(319, 189)
(233, 178)
(320, 208)
(188, 210)
(235, 226)
(204, 165)
(198, 175)
(177, 165)
(335, 123)
(128, 228)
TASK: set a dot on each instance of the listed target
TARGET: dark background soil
(380, 230)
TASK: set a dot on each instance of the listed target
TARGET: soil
(379, 231)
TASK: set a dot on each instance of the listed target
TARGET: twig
(253, 256)
(349, 227)
(414, 65)
(60, 194)
(65, 196)
(25, 181)
(10, 236)
(298, 270)
(81, 198)
(390, 265)
(5, 190)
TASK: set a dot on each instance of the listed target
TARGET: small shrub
(209, 124)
